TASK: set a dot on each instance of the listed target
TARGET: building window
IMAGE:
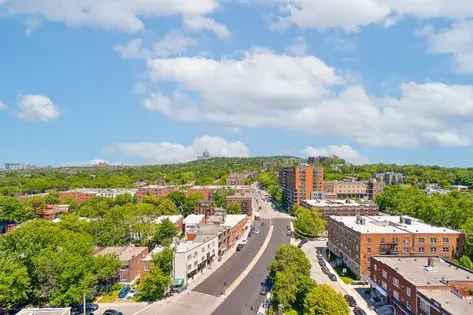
(382, 240)
(369, 239)
(395, 240)
(384, 285)
(421, 249)
(396, 282)
(369, 250)
(433, 240)
(421, 240)
(396, 294)
(433, 249)
(445, 249)
(385, 274)
(445, 239)
(408, 291)
(405, 249)
(375, 267)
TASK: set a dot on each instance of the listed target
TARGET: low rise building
(347, 207)
(390, 178)
(222, 232)
(422, 285)
(50, 212)
(192, 257)
(239, 178)
(347, 189)
(131, 258)
(156, 190)
(191, 225)
(245, 201)
(355, 239)
(81, 195)
(237, 223)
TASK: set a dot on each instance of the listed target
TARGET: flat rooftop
(186, 246)
(233, 219)
(337, 203)
(124, 253)
(415, 270)
(449, 301)
(390, 224)
(194, 219)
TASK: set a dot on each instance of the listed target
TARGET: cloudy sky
(160, 81)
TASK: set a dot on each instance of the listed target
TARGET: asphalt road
(247, 294)
(234, 266)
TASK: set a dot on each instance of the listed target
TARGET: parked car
(359, 311)
(78, 309)
(350, 300)
(239, 247)
(263, 290)
(332, 277)
(123, 292)
(289, 232)
(112, 312)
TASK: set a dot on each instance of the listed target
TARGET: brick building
(131, 259)
(422, 285)
(297, 183)
(245, 201)
(354, 239)
(50, 212)
(156, 190)
(328, 207)
(347, 189)
(237, 223)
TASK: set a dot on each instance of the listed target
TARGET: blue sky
(159, 81)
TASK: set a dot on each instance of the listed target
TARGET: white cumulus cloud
(345, 152)
(122, 15)
(350, 15)
(265, 89)
(455, 40)
(199, 23)
(37, 108)
(167, 152)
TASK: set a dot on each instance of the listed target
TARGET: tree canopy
(324, 300)
(308, 223)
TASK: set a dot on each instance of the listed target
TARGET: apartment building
(155, 190)
(239, 178)
(346, 189)
(237, 223)
(222, 232)
(390, 178)
(81, 195)
(194, 256)
(297, 183)
(131, 258)
(354, 239)
(424, 285)
(244, 200)
(338, 207)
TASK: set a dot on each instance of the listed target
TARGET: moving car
(350, 300)
(239, 247)
(332, 277)
(112, 312)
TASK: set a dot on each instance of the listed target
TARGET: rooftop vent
(360, 220)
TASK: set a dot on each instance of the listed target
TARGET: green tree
(285, 288)
(164, 260)
(308, 223)
(323, 300)
(166, 207)
(466, 262)
(15, 283)
(153, 285)
(52, 198)
(233, 208)
(165, 232)
(289, 257)
(12, 210)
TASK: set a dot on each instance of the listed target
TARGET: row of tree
(453, 210)
(43, 263)
(296, 292)
(309, 223)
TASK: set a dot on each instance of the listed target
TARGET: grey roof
(449, 301)
(414, 269)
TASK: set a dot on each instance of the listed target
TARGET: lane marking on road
(250, 266)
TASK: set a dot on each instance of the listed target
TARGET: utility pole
(83, 305)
